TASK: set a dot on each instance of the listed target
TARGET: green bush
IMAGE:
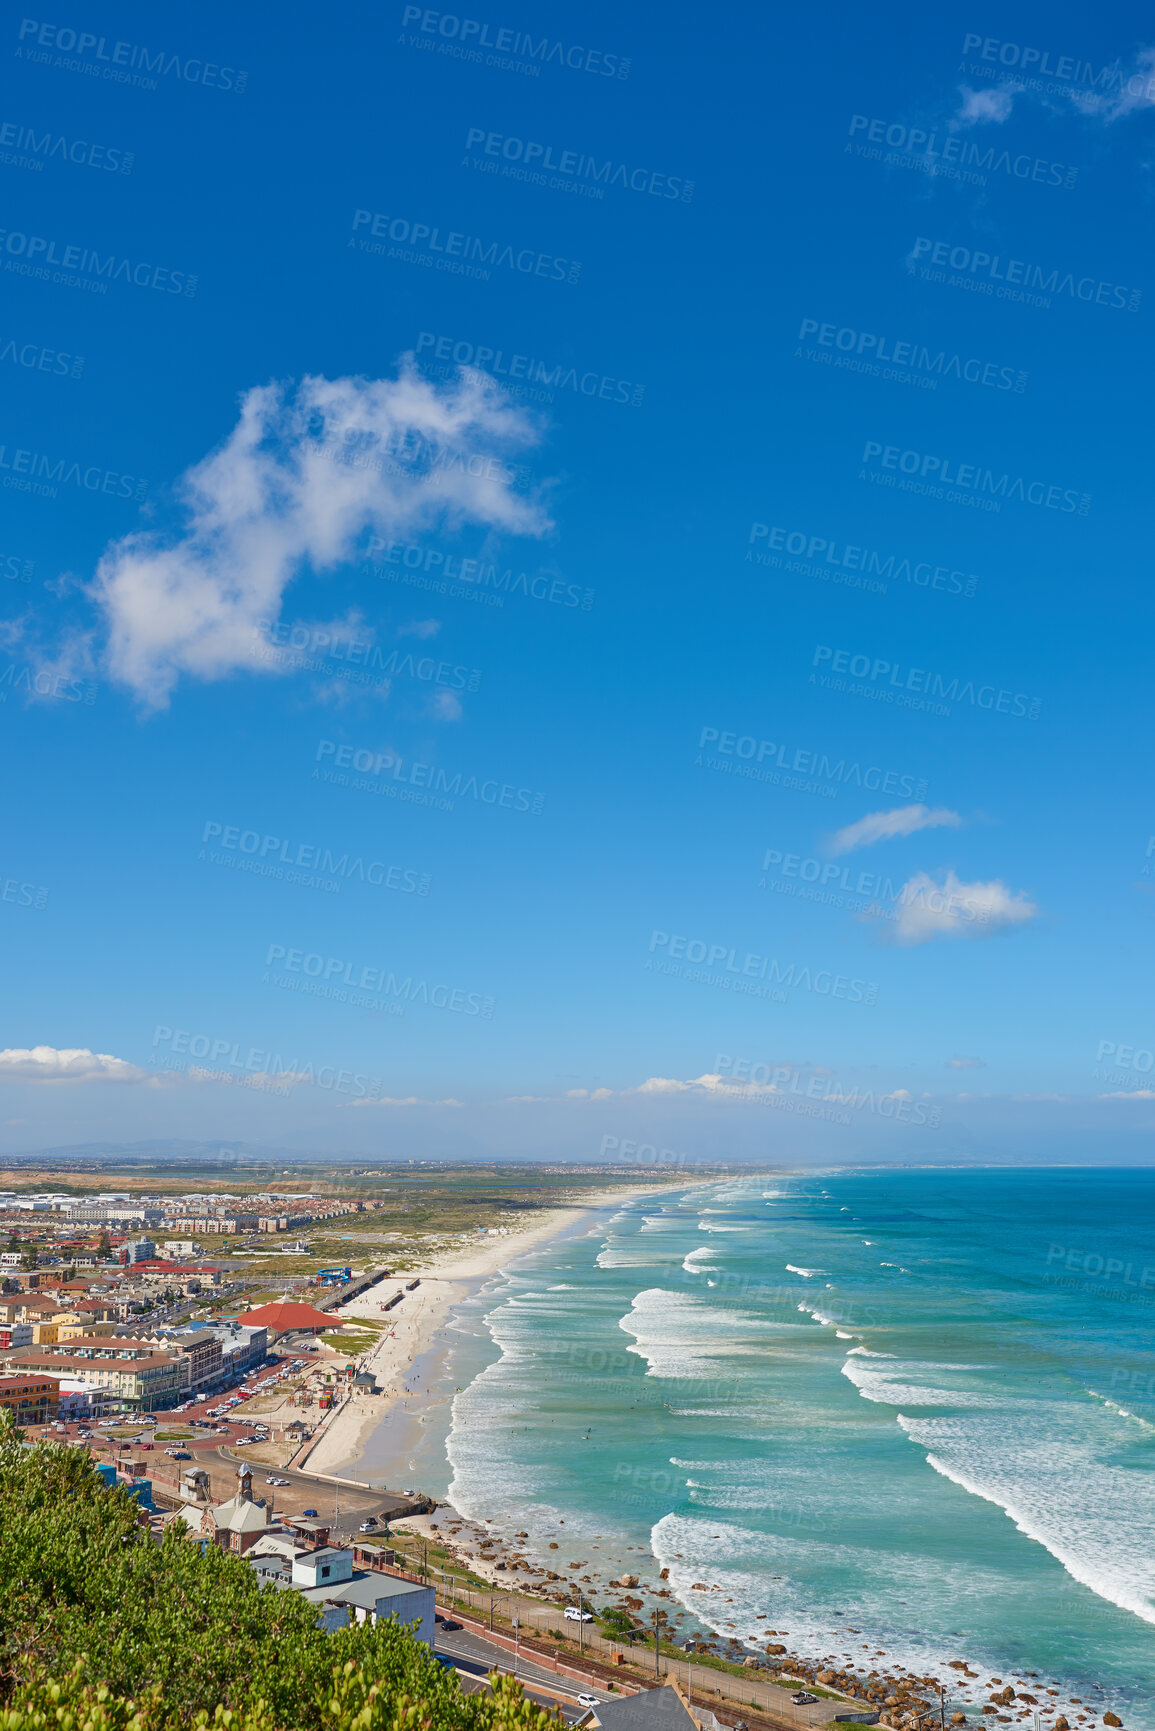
(102, 1629)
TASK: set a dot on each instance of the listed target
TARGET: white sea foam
(1047, 1463)
(887, 1388)
(1090, 1514)
(807, 1273)
(680, 1336)
(768, 1576)
(1124, 1411)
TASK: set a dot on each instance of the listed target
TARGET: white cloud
(446, 705)
(410, 1100)
(66, 1064)
(965, 1064)
(981, 107)
(283, 492)
(1134, 90)
(885, 825)
(953, 909)
(669, 1085)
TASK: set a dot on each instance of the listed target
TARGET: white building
(342, 1594)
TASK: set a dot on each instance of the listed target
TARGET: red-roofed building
(285, 1316)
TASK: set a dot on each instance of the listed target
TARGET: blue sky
(715, 718)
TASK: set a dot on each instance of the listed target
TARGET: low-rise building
(145, 1383)
(242, 1347)
(198, 1351)
(30, 1398)
(80, 1400)
(343, 1594)
(83, 1327)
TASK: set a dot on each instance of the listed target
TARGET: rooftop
(284, 1314)
(649, 1710)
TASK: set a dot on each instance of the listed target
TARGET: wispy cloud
(284, 493)
(1130, 90)
(409, 1100)
(965, 1064)
(985, 107)
(885, 825)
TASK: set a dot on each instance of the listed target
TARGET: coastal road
(476, 1656)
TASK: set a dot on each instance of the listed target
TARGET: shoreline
(562, 1555)
(414, 1347)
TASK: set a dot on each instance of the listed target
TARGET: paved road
(475, 1655)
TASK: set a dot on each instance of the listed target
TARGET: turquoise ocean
(912, 1410)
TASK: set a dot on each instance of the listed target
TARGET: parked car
(367, 1526)
(802, 1699)
(589, 1701)
(310, 1515)
(573, 1615)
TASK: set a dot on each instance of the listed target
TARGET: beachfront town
(164, 1413)
(103, 1322)
(212, 1403)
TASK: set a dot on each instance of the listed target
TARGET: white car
(589, 1701)
(573, 1615)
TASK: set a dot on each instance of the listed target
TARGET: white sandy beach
(447, 1277)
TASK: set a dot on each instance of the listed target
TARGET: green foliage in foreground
(102, 1629)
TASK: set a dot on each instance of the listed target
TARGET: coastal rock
(664, 1575)
(958, 1718)
(627, 1581)
(1111, 1719)
(775, 1647)
(1060, 1723)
